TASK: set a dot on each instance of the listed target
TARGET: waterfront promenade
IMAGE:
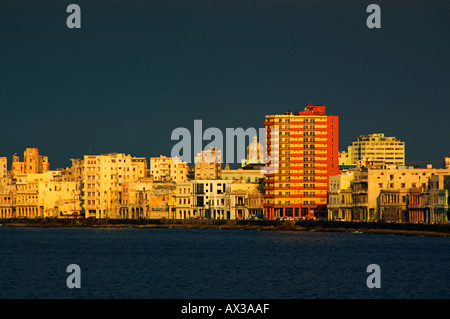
(274, 225)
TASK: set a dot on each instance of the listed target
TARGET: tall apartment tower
(377, 147)
(306, 147)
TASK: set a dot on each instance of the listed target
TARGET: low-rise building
(184, 201)
(386, 193)
(246, 200)
(8, 191)
(43, 195)
(147, 199)
(339, 197)
(218, 199)
(210, 199)
(393, 205)
(438, 192)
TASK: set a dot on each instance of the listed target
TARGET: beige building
(376, 147)
(8, 193)
(369, 193)
(46, 194)
(32, 163)
(246, 200)
(184, 208)
(59, 197)
(3, 167)
(27, 203)
(147, 199)
(340, 197)
(169, 169)
(103, 176)
(218, 199)
(208, 164)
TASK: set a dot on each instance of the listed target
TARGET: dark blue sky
(136, 70)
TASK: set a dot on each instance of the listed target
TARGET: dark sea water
(177, 263)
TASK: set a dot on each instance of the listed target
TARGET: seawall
(308, 225)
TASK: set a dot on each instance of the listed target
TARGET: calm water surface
(213, 263)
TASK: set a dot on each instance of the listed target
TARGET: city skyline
(134, 72)
(342, 151)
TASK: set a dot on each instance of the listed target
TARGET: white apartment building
(376, 147)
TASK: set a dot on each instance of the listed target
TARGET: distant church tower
(255, 153)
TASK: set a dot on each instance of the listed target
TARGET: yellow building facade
(103, 176)
(47, 194)
(147, 199)
(367, 192)
(170, 169)
(377, 147)
(33, 162)
(3, 167)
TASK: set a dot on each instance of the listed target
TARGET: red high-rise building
(306, 147)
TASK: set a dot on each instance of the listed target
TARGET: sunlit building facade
(376, 192)
(377, 147)
(307, 150)
(169, 169)
(103, 176)
(33, 162)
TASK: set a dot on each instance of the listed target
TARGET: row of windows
(184, 190)
(304, 193)
(306, 185)
(403, 185)
(300, 153)
(164, 172)
(305, 146)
